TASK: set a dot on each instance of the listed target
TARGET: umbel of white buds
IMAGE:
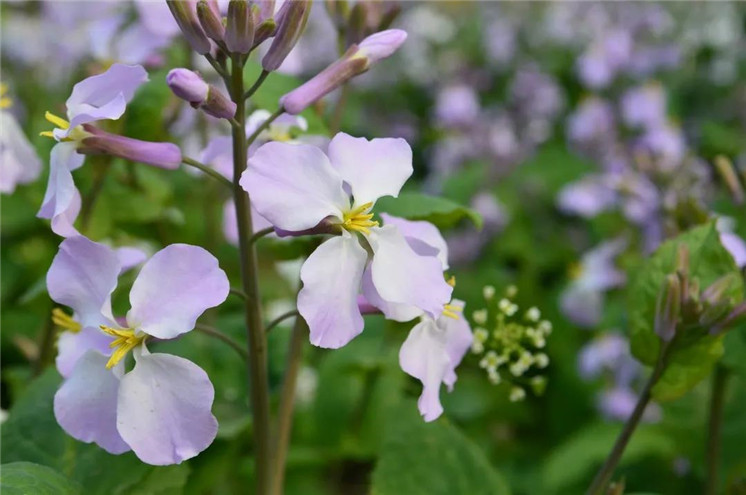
(189, 86)
(357, 59)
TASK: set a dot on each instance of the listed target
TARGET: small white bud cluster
(509, 341)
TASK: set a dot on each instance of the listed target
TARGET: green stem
(213, 332)
(607, 470)
(257, 342)
(264, 125)
(208, 170)
(717, 402)
(272, 324)
(215, 65)
(287, 401)
(258, 235)
(46, 345)
(100, 170)
(238, 293)
(260, 80)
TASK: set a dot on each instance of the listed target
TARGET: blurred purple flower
(644, 106)
(457, 105)
(19, 163)
(592, 121)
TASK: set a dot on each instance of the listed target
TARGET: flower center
(358, 220)
(77, 134)
(65, 321)
(124, 341)
(451, 311)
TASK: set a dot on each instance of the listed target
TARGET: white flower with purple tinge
(161, 409)
(297, 188)
(19, 163)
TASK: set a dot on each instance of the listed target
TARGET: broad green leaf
(691, 362)
(442, 212)
(735, 349)
(27, 478)
(433, 459)
(574, 462)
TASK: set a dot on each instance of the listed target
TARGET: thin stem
(257, 341)
(46, 345)
(258, 235)
(89, 201)
(215, 333)
(287, 402)
(272, 324)
(717, 402)
(238, 293)
(215, 65)
(260, 80)
(209, 171)
(607, 470)
(264, 125)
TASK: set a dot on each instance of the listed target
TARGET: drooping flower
(19, 163)
(161, 408)
(298, 188)
(104, 96)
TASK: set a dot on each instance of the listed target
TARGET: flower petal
(294, 186)
(86, 404)
(402, 276)
(374, 168)
(163, 409)
(83, 275)
(59, 198)
(331, 282)
(423, 355)
(420, 236)
(129, 257)
(19, 163)
(458, 340)
(392, 311)
(72, 346)
(219, 155)
(174, 288)
(104, 96)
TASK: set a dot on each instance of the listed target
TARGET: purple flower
(592, 121)
(297, 188)
(431, 353)
(161, 408)
(644, 106)
(587, 197)
(457, 105)
(19, 163)
(618, 404)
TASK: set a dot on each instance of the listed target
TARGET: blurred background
(584, 134)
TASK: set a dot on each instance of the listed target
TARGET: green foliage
(27, 478)
(442, 212)
(433, 459)
(692, 360)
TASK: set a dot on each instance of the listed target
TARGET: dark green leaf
(442, 212)
(27, 478)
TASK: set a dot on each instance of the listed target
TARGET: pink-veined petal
(331, 282)
(374, 168)
(294, 186)
(174, 288)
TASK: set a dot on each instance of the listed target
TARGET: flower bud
(736, 316)
(163, 155)
(210, 20)
(184, 13)
(356, 60)
(264, 31)
(217, 104)
(291, 20)
(356, 23)
(667, 308)
(714, 293)
(187, 85)
(239, 32)
(730, 178)
(338, 11)
(266, 9)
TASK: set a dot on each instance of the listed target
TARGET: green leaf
(689, 362)
(27, 478)
(441, 212)
(433, 459)
(573, 463)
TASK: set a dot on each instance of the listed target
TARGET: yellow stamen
(125, 341)
(58, 121)
(65, 321)
(357, 220)
(451, 311)
(48, 134)
(452, 281)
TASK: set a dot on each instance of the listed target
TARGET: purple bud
(715, 292)
(291, 20)
(737, 315)
(667, 308)
(217, 104)
(266, 9)
(239, 32)
(208, 14)
(184, 12)
(264, 31)
(163, 155)
(356, 60)
(187, 85)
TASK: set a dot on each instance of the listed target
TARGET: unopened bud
(239, 31)
(163, 155)
(291, 20)
(714, 293)
(356, 60)
(338, 11)
(725, 167)
(667, 308)
(737, 315)
(266, 9)
(185, 14)
(218, 104)
(356, 23)
(390, 13)
(264, 31)
(208, 14)
(189, 86)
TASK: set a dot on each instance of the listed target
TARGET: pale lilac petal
(294, 186)
(374, 168)
(19, 163)
(64, 224)
(219, 155)
(72, 346)
(163, 409)
(735, 246)
(130, 257)
(418, 233)
(174, 288)
(582, 306)
(331, 282)
(86, 404)
(104, 96)
(61, 191)
(423, 355)
(402, 276)
(392, 311)
(83, 275)
(458, 338)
